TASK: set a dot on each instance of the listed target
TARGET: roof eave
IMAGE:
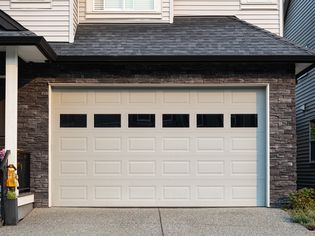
(37, 41)
(190, 58)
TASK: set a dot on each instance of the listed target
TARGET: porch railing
(23, 171)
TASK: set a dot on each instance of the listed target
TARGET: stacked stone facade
(33, 106)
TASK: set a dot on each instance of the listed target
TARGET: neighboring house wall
(299, 27)
(87, 15)
(305, 92)
(266, 14)
(49, 18)
(34, 107)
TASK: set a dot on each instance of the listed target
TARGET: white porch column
(11, 102)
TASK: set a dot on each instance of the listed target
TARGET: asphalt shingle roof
(193, 36)
(5, 33)
(12, 33)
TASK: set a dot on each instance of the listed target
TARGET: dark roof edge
(37, 41)
(184, 58)
(8, 23)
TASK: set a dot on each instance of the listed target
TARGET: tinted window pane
(313, 151)
(209, 120)
(175, 120)
(107, 120)
(312, 137)
(312, 127)
(72, 120)
(244, 120)
(141, 120)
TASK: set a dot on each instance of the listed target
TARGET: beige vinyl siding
(262, 15)
(51, 22)
(124, 17)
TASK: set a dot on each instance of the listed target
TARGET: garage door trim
(265, 86)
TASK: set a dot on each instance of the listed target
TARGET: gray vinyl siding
(300, 28)
(305, 93)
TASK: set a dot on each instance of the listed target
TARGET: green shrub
(305, 218)
(302, 199)
(310, 226)
(11, 195)
(299, 217)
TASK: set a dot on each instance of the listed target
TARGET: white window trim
(258, 2)
(157, 8)
(31, 1)
(310, 141)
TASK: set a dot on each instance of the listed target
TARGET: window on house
(124, 5)
(312, 141)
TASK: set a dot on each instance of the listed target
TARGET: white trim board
(26, 199)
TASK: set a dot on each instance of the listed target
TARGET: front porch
(9, 63)
(17, 44)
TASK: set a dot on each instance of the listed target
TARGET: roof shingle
(187, 36)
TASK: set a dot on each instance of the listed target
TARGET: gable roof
(7, 23)
(204, 38)
(12, 33)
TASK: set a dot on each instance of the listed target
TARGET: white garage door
(158, 147)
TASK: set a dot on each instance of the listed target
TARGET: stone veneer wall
(33, 107)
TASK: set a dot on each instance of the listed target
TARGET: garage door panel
(75, 167)
(210, 144)
(110, 167)
(73, 144)
(158, 166)
(73, 98)
(108, 144)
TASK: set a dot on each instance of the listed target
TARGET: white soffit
(28, 53)
(31, 54)
(299, 67)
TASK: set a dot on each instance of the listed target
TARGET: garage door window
(107, 120)
(175, 120)
(73, 120)
(210, 120)
(141, 120)
(244, 121)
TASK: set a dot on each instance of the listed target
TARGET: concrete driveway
(153, 221)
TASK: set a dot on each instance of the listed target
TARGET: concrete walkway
(153, 221)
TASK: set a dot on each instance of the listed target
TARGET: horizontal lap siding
(106, 17)
(299, 28)
(52, 23)
(264, 16)
(305, 92)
